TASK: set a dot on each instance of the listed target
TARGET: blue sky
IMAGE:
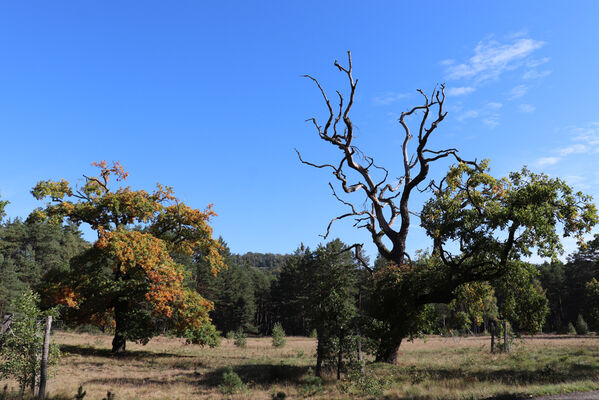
(207, 97)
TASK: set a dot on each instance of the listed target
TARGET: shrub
(80, 393)
(20, 351)
(363, 383)
(231, 383)
(278, 335)
(571, 329)
(230, 335)
(279, 396)
(312, 384)
(581, 326)
(240, 338)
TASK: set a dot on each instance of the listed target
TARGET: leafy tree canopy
(129, 277)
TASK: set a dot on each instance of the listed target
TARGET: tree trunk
(492, 330)
(387, 350)
(44, 363)
(360, 354)
(339, 358)
(119, 341)
(506, 336)
(319, 354)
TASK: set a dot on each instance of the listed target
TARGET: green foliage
(240, 338)
(592, 301)
(363, 384)
(523, 301)
(581, 326)
(319, 290)
(31, 254)
(230, 335)
(130, 278)
(80, 393)
(278, 335)
(109, 396)
(20, 352)
(241, 293)
(571, 330)
(279, 396)
(231, 382)
(312, 385)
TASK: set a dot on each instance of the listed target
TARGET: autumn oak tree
(477, 223)
(128, 278)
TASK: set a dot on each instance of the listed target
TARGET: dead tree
(486, 240)
(387, 214)
(389, 201)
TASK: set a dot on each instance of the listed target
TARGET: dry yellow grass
(436, 368)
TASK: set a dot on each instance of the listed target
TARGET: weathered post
(6, 322)
(506, 338)
(44, 362)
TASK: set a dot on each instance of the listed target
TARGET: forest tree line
(257, 290)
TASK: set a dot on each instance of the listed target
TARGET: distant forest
(259, 289)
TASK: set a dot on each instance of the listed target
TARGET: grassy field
(436, 368)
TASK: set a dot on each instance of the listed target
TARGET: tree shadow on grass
(552, 373)
(130, 354)
(258, 374)
(189, 378)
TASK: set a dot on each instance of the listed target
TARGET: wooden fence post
(44, 362)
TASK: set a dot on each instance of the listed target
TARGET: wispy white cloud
(491, 121)
(467, 115)
(388, 98)
(588, 135)
(447, 61)
(584, 141)
(577, 148)
(492, 58)
(546, 161)
(534, 74)
(518, 91)
(460, 91)
(527, 108)
(488, 114)
(532, 63)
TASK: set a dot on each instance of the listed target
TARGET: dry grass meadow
(435, 368)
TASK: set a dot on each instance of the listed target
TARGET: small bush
(313, 334)
(571, 330)
(312, 384)
(231, 383)
(278, 335)
(240, 338)
(279, 396)
(363, 383)
(230, 335)
(581, 326)
(109, 396)
(80, 393)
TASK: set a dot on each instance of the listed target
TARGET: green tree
(592, 297)
(488, 221)
(321, 292)
(129, 278)
(20, 352)
(31, 253)
(278, 335)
